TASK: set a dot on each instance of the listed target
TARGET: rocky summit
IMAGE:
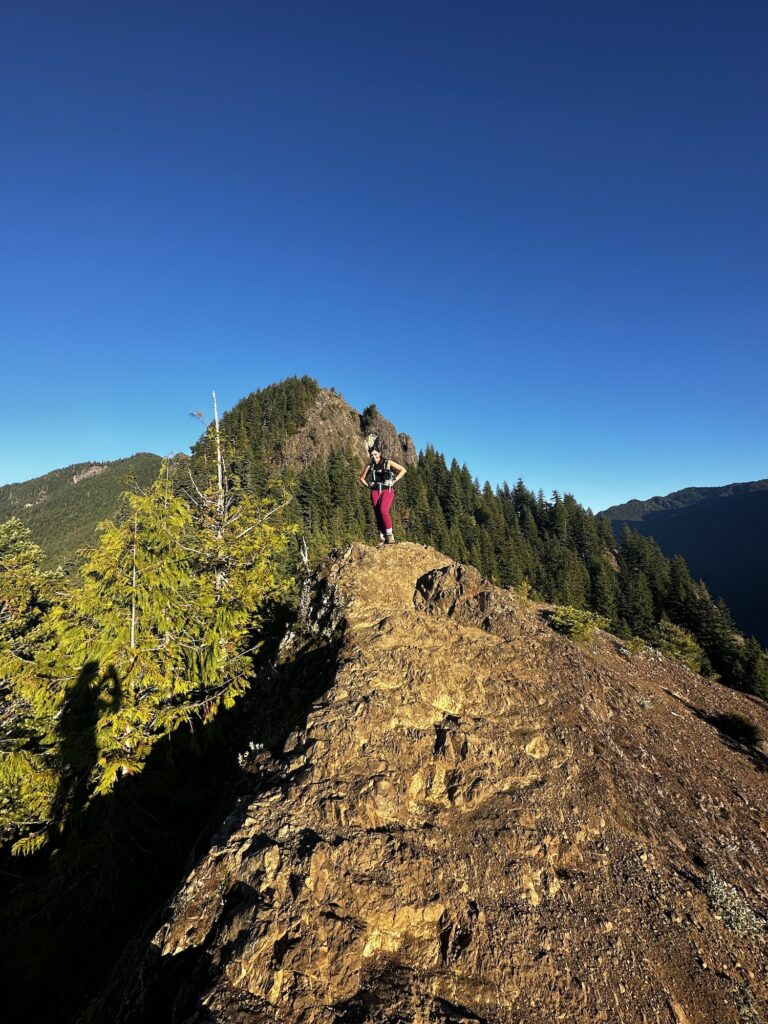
(474, 818)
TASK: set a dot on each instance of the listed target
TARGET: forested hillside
(62, 508)
(720, 532)
(297, 439)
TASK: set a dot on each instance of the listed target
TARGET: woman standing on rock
(382, 482)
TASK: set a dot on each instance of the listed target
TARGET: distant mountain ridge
(721, 533)
(62, 508)
(636, 510)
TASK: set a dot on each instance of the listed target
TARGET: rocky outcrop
(95, 469)
(475, 819)
(399, 447)
(332, 423)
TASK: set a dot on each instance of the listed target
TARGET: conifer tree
(754, 669)
(28, 709)
(682, 598)
(604, 590)
(636, 603)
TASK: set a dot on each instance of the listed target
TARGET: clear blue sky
(533, 233)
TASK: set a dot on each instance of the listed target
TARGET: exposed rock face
(399, 447)
(478, 820)
(93, 470)
(333, 423)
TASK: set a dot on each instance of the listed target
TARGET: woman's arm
(361, 479)
(400, 470)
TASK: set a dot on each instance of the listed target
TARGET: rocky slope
(474, 819)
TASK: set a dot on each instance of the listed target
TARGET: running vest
(382, 475)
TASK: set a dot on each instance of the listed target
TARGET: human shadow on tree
(105, 878)
(91, 695)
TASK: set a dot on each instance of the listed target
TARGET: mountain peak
(332, 423)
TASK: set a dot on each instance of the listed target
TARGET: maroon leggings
(382, 502)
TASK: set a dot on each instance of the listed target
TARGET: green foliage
(576, 623)
(567, 555)
(635, 645)
(677, 643)
(28, 780)
(149, 648)
(368, 418)
(256, 430)
(740, 728)
(160, 630)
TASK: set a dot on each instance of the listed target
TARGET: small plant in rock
(736, 914)
(576, 623)
(746, 1006)
(635, 645)
(677, 643)
(223, 884)
(740, 728)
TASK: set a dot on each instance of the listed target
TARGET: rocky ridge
(474, 819)
(332, 423)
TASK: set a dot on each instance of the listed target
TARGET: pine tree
(454, 505)
(438, 528)
(28, 707)
(754, 675)
(604, 590)
(413, 502)
(636, 603)
(682, 598)
(124, 640)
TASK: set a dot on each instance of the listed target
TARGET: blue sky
(533, 234)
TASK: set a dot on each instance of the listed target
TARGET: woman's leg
(376, 500)
(385, 504)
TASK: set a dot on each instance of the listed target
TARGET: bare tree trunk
(219, 460)
(220, 499)
(133, 587)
